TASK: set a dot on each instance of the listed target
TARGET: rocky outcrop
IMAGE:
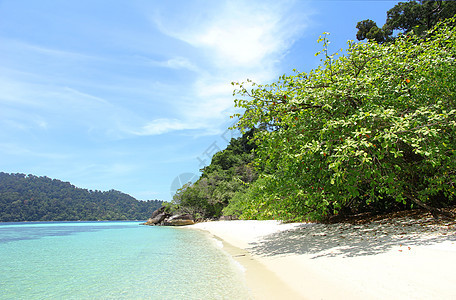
(158, 216)
(162, 218)
(179, 220)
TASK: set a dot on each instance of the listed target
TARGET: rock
(161, 218)
(179, 220)
(157, 212)
(158, 216)
(157, 219)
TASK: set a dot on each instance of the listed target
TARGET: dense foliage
(32, 198)
(229, 173)
(370, 130)
(411, 16)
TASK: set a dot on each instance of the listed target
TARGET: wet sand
(393, 259)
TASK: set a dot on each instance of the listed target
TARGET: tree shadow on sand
(347, 240)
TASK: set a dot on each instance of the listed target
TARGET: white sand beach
(390, 259)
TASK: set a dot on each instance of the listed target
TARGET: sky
(136, 95)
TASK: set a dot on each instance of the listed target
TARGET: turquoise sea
(114, 260)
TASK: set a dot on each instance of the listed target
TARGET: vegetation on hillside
(31, 198)
(370, 130)
(229, 173)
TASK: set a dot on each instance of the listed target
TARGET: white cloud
(35, 107)
(180, 63)
(21, 47)
(79, 96)
(243, 42)
(239, 40)
(232, 41)
(240, 33)
(161, 126)
(177, 62)
(20, 149)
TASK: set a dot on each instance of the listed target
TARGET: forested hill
(32, 198)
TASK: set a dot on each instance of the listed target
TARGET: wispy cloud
(163, 125)
(23, 47)
(239, 39)
(128, 94)
(245, 36)
(231, 41)
(178, 62)
(18, 149)
(30, 106)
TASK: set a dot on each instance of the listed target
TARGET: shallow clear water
(113, 260)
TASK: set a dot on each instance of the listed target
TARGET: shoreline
(380, 260)
(262, 282)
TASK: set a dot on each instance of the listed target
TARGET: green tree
(229, 173)
(418, 16)
(374, 129)
(412, 16)
(368, 29)
(32, 198)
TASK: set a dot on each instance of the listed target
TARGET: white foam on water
(239, 266)
(218, 243)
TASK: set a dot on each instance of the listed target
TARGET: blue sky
(131, 94)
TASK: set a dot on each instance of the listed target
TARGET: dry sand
(393, 259)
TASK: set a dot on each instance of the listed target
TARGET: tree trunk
(436, 212)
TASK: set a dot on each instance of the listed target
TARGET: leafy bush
(371, 129)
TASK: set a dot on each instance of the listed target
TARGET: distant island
(32, 198)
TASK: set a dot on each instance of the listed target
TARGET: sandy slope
(398, 259)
